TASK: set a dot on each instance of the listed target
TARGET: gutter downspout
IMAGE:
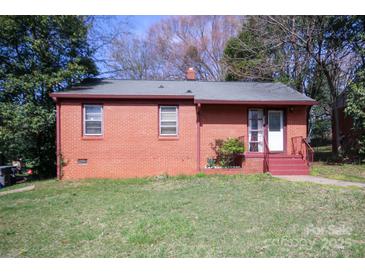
(58, 140)
(198, 107)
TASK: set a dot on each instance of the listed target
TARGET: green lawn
(201, 216)
(346, 172)
(16, 186)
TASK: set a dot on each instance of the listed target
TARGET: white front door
(276, 130)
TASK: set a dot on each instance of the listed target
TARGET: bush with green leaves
(229, 151)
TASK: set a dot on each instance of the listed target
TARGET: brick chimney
(190, 74)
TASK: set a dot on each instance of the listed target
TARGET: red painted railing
(301, 147)
(309, 152)
(266, 156)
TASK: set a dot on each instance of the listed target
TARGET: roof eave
(115, 96)
(271, 103)
(56, 95)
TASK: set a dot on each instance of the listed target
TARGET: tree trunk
(334, 118)
(308, 120)
(335, 130)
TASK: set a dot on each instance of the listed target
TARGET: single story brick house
(135, 128)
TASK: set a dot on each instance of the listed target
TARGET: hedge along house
(135, 128)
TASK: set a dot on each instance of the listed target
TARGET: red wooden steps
(287, 165)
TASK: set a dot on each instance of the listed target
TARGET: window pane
(93, 119)
(168, 120)
(168, 130)
(93, 131)
(168, 109)
(274, 121)
(93, 116)
(93, 127)
(170, 124)
(260, 114)
(256, 130)
(254, 124)
(254, 136)
(254, 147)
(93, 109)
(168, 116)
(256, 114)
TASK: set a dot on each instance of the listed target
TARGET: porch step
(289, 172)
(281, 156)
(288, 165)
(287, 162)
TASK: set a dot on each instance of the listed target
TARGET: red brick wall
(296, 125)
(253, 164)
(220, 122)
(130, 145)
(223, 121)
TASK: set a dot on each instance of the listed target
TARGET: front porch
(273, 137)
(271, 162)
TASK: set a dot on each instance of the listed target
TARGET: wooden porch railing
(301, 147)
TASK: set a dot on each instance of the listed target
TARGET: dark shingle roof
(199, 90)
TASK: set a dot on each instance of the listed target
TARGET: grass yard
(201, 216)
(17, 186)
(345, 172)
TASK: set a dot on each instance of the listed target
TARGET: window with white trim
(256, 130)
(93, 119)
(168, 121)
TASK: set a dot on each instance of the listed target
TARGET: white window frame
(160, 120)
(84, 120)
(256, 130)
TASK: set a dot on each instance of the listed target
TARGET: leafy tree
(247, 56)
(318, 55)
(38, 55)
(355, 108)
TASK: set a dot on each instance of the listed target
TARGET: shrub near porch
(229, 153)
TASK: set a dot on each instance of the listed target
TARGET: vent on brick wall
(82, 161)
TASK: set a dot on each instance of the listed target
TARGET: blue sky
(141, 23)
(137, 24)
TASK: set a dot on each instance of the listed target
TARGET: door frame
(265, 112)
(266, 129)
